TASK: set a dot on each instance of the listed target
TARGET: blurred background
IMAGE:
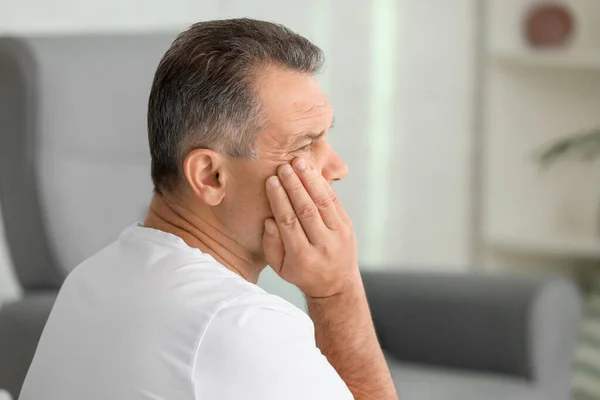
(470, 130)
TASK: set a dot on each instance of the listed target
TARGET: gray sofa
(459, 337)
(71, 180)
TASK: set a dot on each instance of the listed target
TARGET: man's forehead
(307, 119)
(308, 109)
(308, 113)
(283, 91)
(305, 103)
(299, 127)
(294, 104)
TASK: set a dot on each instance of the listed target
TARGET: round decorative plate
(549, 25)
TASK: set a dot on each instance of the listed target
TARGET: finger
(290, 229)
(305, 208)
(316, 190)
(335, 200)
(273, 246)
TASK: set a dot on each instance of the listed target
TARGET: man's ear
(203, 171)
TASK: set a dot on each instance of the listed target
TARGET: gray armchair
(21, 322)
(21, 325)
(463, 337)
(447, 337)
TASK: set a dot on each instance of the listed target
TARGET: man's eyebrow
(304, 136)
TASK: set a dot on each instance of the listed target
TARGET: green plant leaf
(583, 146)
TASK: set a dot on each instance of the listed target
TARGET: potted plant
(580, 147)
(583, 146)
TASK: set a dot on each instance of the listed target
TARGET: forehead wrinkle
(310, 132)
(310, 121)
(315, 109)
(303, 119)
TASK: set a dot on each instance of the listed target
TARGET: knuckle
(323, 201)
(327, 250)
(296, 185)
(311, 180)
(334, 199)
(289, 222)
(346, 233)
(307, 211)
(293, 183)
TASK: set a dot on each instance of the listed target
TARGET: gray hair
(203, 96)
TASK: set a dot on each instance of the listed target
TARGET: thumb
(273, 246)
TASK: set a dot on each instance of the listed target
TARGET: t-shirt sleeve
(260, 347)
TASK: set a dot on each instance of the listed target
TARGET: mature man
(237, 127)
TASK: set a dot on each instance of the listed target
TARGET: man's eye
(303, 148)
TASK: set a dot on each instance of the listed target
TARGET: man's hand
(311, 243)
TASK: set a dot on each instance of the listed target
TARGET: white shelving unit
(567, 59)
(567, 248)
(531, 98)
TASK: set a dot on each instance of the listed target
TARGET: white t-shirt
(151, 318)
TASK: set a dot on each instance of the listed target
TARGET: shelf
(559, 59)
(565, 247)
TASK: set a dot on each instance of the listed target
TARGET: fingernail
(300, 164)
(315, 172)
(274, 181)
(286, 170)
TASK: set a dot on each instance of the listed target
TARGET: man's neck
(203, 232)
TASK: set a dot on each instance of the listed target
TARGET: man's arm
(344, 332)
(311, 244)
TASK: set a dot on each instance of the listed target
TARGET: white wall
(431, 199)
(77, 16)
(401, 79)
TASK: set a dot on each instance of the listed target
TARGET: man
(237, 127)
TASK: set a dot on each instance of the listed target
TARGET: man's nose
(334, 168)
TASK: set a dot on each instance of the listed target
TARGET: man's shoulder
(259, 316)
(261, 302)
(141, 274)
